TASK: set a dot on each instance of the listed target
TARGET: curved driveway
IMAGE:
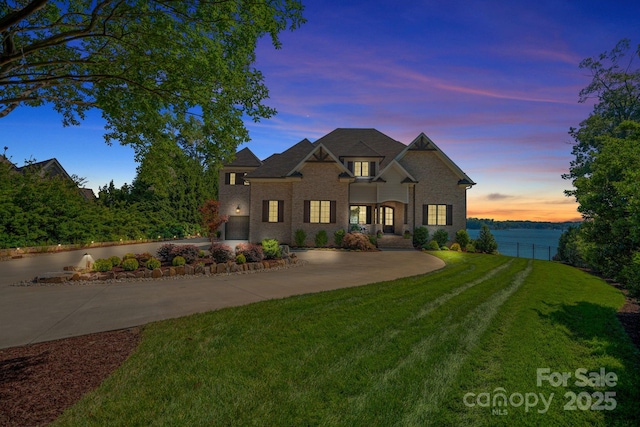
(30, 314)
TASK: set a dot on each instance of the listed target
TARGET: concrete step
(392, 241)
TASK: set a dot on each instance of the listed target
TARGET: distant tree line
(477, 223)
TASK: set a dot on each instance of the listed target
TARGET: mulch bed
(39, 381)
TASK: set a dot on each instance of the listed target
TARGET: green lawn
(406, 352)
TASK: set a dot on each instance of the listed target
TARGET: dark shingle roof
(245, 158)
(344, 142)
(281, 165)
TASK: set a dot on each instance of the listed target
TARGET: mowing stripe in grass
(432, 305)
(472, 328)
(450, 340)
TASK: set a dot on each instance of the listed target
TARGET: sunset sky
(494, 83)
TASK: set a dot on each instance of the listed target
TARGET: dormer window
(362, 169)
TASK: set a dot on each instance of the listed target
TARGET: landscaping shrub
(486, 242)
(406, 234)
(153, 263)
(189, 252)
(431, 246)
(240, 259)
(115, 261)
(221, 253)
(373, 239)
(444, 248)
(178, 261)
(102, 265)
(271, 249)
(164, 252)
(357, 242)
(420, 236)
(130, 264)
(300, 236)
(128, 255)
(462, 238)
(321, 239)
(252, 252)
(471, 247)
(441, 236)
(456, 247)
(338, 236)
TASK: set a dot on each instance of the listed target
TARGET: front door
(386, 218)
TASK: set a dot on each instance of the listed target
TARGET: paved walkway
(42, 313)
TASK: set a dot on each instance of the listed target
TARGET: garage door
(237, 228)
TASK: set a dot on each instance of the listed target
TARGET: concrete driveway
(30, 314)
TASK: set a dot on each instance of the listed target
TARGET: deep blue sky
(494, 83)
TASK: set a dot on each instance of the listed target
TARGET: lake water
(525, 243)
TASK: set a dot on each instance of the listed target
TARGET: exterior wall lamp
(238, 209)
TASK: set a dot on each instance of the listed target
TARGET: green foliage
(300, 236)
(102, 265)
(420, 236)
(456, 247)
(146, 65)
(572, 249)
(462, 238)
(338, 236)
(130, 264)
(178, 261)
(221, 253)
(128, 255)
(358, 242)
(271, 249)
(441, 236)
(115, 260)
(605, 171)
(486, 242)
(373, 239)
(321, 239)
(241, 259)
(630, 275)
(153, 263)
(471, 248)
(431, 246)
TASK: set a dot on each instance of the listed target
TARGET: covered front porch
(389, 217)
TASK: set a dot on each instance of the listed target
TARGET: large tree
(604, 172)
(153, 67)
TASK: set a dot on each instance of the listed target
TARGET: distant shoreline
(477, 223)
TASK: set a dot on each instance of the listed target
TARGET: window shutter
(449, 214)
(369, 212)
(307, 211)
(280, 210)
(239, 179)
(425, 214)
(350, 166)
(372, 169)
(265, 211)
(332, 213)
(227, 178)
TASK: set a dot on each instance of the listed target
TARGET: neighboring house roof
(51, 167)
(245, 158)
(88, 193)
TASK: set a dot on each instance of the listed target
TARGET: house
(348, 179)
(49, 169)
